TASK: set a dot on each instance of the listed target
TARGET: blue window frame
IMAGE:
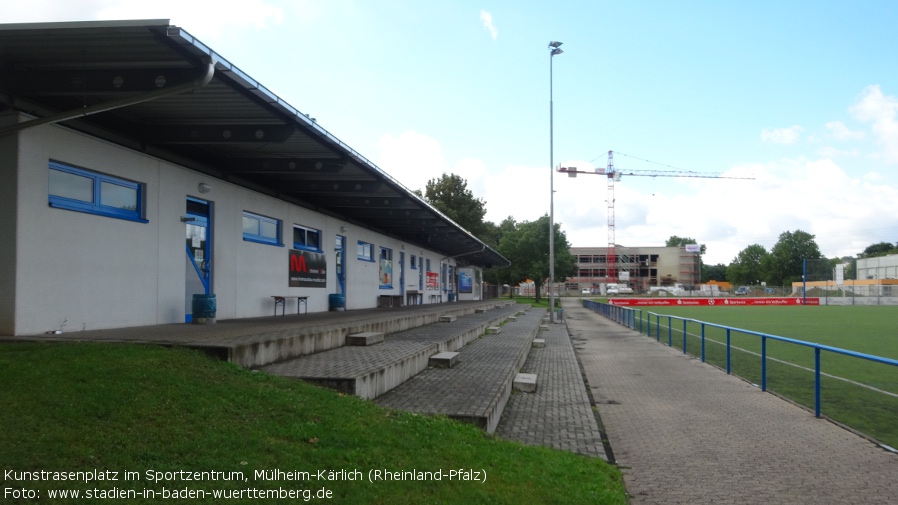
(261, 229)
(82, 190)
(366, 251)
(306, 238)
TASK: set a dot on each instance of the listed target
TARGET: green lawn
(85, 407)
(865, 329)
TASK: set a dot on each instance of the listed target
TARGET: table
(301, 301)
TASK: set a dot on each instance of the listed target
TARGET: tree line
(526, 245)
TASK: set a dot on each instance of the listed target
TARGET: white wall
(98, 272)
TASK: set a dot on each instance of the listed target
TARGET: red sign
(712, 302)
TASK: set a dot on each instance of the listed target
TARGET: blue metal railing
(629, 317)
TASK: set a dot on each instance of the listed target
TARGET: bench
(365, 338)
(389, 301)
(445, 359)
(413, 297)
(525, 382)
(301, 301)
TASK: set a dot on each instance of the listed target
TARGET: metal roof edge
(125, 23)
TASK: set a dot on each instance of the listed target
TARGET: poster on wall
(433, 280)
(465, 281)
(385, 273)
(307, 269)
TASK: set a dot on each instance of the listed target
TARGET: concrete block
(539, 342)
(525, 382)
(493, 330)
(446, 359)
(365, 338)
(447, 318)
(512, 318)
(544, 327)
(479, 311)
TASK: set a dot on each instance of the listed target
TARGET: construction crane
(614, 175)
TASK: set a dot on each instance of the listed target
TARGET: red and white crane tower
(614, 175)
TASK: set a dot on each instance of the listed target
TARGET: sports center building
(139, 168)
(640, 268)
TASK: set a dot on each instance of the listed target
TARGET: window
(261, 229)
(306, 238)
(81, 190)
(428, 264)
(385, 268)
(366, 251)
(413, 264)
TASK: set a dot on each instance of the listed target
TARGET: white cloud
(781, 135)
(838, 131)
(487, 19)
(880, 110)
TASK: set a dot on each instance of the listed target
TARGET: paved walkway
(685, 432)
(558, 414)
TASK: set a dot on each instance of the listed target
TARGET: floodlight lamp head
(556, 51)
(555, 44)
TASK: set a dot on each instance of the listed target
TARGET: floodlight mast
(614, 175)
(555, 49)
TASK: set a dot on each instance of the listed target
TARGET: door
(198, 269)
(340, 248)
(402, 275)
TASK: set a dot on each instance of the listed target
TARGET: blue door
(199, 253)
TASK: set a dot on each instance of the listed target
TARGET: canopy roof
(153, 87)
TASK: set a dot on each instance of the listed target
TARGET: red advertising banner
(712, 302)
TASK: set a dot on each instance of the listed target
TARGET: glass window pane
(312, 239)
(269, 229)
(68, 185)
(120, 197)
(299, 236)
(250, 225)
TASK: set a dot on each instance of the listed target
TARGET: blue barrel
(336, 301)
(204, 308)
(451, 297)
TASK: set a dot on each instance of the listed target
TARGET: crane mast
(613, 175)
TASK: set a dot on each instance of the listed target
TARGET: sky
(790, 105)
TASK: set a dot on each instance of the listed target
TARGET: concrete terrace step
(369, 372)
(477, 388)
(301, 339)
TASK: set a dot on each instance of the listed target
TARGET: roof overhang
(154, 88)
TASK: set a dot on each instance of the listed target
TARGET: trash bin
(336, 301)
(204, 308)
(559, 314)
(451, 297)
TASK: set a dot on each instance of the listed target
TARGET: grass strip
(134, 408)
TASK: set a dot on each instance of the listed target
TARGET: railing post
(669, 331)
(684, 336)
(817, 381)
(703, 342)
(728, 351)
(763, 363)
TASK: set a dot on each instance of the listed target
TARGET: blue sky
(799, 95)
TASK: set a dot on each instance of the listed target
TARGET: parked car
(586, 291)
(743, 290)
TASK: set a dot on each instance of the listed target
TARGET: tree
(527, 247)
(716, 272)
(746, 268)
(450, 195)
(675, 241)
(880, 249)
(785, 263)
